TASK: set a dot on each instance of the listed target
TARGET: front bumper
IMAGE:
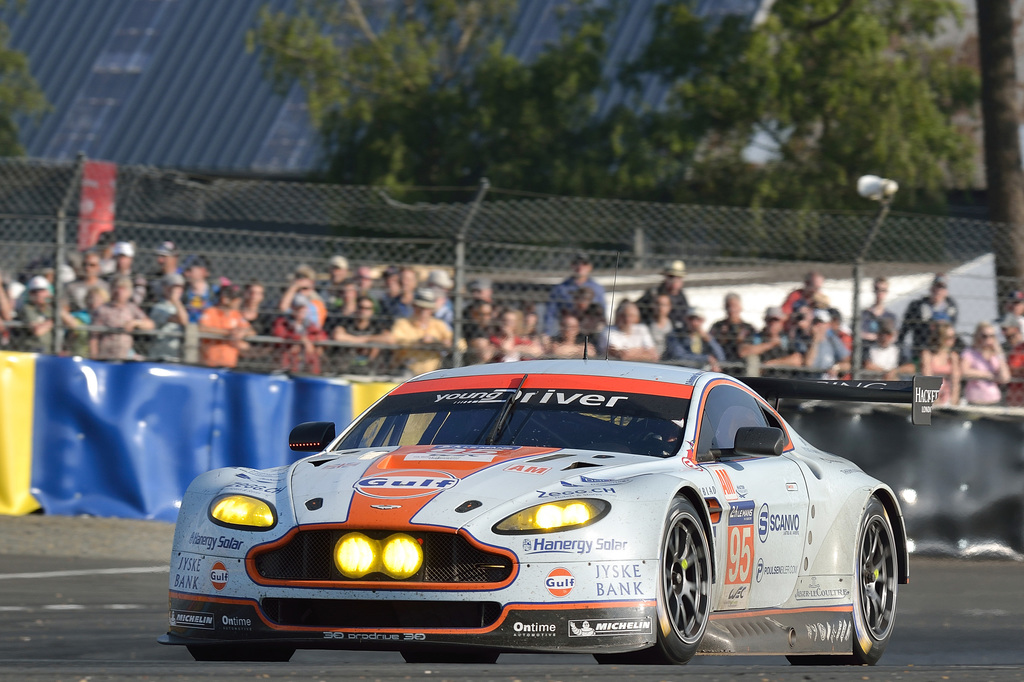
(582, 627)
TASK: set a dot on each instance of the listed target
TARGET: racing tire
(684, 591)
(242, 652)
(876, 574)
(486, 657)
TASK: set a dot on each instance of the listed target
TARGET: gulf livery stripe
(198, 600)
(361, 512)
(755, 613)
(567, 382)
(17, 400)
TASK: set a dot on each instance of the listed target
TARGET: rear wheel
(684, 591)
(876, 574)
(241, 652)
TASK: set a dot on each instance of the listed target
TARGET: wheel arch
(899, 531)
(693, 496)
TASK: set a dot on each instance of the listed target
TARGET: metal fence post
(858, 342)
(460, 271)
(60, 255)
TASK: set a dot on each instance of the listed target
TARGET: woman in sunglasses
(984, 367)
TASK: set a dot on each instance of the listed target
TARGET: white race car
(637, 512)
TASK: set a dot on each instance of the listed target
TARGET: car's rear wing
(920, 393)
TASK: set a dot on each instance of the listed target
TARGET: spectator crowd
(401, 320)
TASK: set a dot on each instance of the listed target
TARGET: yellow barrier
(366, 394)
(17, 386)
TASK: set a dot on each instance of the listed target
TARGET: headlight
(553, 516)
(242, 511)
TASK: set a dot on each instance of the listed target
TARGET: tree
(828, 89)
(1003, 173)
(19, 93)
(429, 96)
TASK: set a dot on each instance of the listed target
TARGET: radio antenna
(611, 304)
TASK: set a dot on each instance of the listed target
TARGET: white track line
(92, 571)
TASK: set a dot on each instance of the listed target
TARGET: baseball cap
(940, 280)
(124, 249)
(173, 279)
(1015, 296)
(580, 257)
(774, 313)
(300, 301)
(440, 279)
(166, 249)
(822, 315)
(425, 298)
(480, 284)
(676, 268)
(339, 262)
(1009, 320)
(193, 261)
(38, 282)
(695, 312)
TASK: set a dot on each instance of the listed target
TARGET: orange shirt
(217, 353)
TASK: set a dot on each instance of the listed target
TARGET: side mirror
(311, 436)
(759, 440)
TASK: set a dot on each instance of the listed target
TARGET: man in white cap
(166, 264)
(332, 291)
(124, 261)
(420, 329)
(441, 282)
(671, 286)
(37, 314)
(169, 318)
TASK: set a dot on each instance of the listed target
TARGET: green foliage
(835, 89)
(429, 96)
(19, 94)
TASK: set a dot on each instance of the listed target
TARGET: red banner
(96, 207)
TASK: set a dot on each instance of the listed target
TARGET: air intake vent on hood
(580, 465)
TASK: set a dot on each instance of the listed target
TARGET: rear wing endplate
(920, 393)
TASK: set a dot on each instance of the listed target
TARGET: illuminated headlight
(554, 516)
(242, 511)
(402, 556)
(355, 555)
(399, 556)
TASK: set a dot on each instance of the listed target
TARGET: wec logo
(405, 484)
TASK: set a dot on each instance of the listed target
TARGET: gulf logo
(560, 582)
(402, 485)
(219, 575)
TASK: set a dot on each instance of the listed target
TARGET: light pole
(881, 190)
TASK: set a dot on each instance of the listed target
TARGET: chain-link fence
(502, 256)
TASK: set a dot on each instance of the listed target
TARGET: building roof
(169, 83)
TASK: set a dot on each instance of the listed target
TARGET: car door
(764, 501)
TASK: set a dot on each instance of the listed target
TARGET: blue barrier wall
(126, 439)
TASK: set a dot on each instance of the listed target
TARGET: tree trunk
(1003, 172)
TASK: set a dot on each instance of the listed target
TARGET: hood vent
(580, 465)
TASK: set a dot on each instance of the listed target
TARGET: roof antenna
(586, 338)
(611, 304)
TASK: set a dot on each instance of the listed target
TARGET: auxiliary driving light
(243, 511)
(402, 556)
(355, 555)
(554, 516)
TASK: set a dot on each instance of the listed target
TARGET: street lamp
(881, 190)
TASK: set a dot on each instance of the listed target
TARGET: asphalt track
(93, 619)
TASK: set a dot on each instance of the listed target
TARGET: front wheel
(876, 574)
(684, 591)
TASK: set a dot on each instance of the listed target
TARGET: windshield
(587, 419)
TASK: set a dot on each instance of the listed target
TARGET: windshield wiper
(503, 416)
